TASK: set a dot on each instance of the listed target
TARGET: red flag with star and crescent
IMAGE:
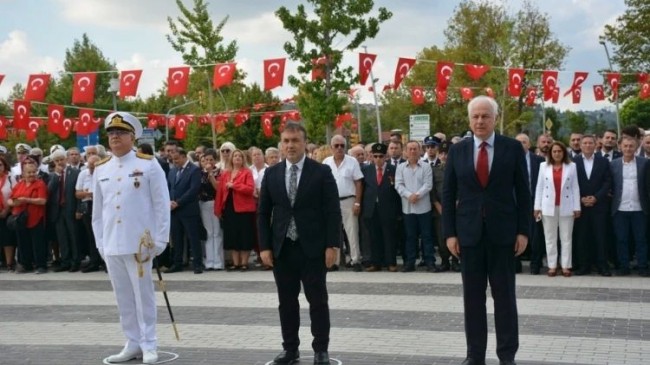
(644, 91)
(444, 70)
(515, 77)
(417, 95)
(274, 73)
(366, 60)
(466, 93)
(181, 125)
(3, 127)
(404, 65)
(613, 79)
(241, 118)
(578, 79)
(22, 109)
(223, 74)
(441, 96)
(178, 78)
(32, 129)
(83, 87)
(37, 87)
(129, 81)
(549, 83)
(54, 119)
(267, 124)
(85, 126)
(531, 95)
(475, 72)
(2, 77)
(599, 93)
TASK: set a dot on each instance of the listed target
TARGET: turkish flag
(83, 87)
(223, 74)
(441, 96)
(318, 68)
(531, 95)
(86, 124)
(342, 118)
(68, 125)
(152, 121)
(549, 82)
(366, 60)
(3, 127)
(2, 77)
(642, 77)
(37, 87)
(292, 115)
(515, 77)
(578, 79)
(475, 72)
(444, 70)
(54, 118)
(177, 80)
(32, 129)
(417, 95)
(267, 124)
(22, 109)
(180, 129)
(404, 65)
(576, 94)
(556, 95)
(204, 119)
(599, 93)
(489, 92)
(273, 73)
(644, 92)
(241, 118)
(129, 83)
(388, 87)
(613, 79)
(466, 93)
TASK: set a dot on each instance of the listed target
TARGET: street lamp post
(616, 102)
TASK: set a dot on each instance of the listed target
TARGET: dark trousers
(66, 233)
(33, 247)
(591, 234)
(421, 224)
(291, 268)
(537, 245)
(493, 263)
(93, 253)
(180, 227)
(383, 238)
(443, 250)
(624, 222)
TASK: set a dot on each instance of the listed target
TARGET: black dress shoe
(62, 268)
(507, 362)
(605, 273)
(174, 268)
(74, 268)
(408, 268)
(321, 358)
(357, 268)
(534, 270)
(470, 361)
(444, 268)
(286, 358)
(455, 266)
(333, 268)
(198, 271)
(90, 268)
(433, 268)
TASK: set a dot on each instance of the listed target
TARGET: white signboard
(419, 127)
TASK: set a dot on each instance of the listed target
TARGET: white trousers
(214, 243)
(351, 226)
(551, 225)
(136, 301)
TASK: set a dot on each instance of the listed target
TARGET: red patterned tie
(380, 175)
(482, 168)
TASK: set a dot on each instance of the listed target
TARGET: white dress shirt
(630, 197)
(84, 182)
(287, 172)
(489, 147)
(345, 174)
(589, 165)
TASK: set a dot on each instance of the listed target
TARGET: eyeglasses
(378, 156)
(338, 145)
(225, 151)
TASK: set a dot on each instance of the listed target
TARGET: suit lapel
(282, 183)
(305, 175)
(469, 161)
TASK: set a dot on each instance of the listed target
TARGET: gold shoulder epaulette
(143, 155)
(103, 161)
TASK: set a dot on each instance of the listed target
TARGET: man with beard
(608, 150)
(544, 144)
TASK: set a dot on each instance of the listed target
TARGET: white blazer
(545, 190)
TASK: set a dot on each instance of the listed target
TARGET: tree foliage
(320, 33)
(636, 111)
(482, 32)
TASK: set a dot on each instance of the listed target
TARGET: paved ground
(377, 318)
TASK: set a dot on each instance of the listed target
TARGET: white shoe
(125, 355)
(150, 357)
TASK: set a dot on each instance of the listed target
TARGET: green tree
(576, 122)
(630, 36)
(636, 111)
(331, 23)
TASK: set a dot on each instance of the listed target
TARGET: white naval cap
(3, 149)
(124, 121)
(56, 147)
(23, 148)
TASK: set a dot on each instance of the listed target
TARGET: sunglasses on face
(225, 151)
(338, 145)
(378, 156)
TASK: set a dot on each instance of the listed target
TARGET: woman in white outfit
(557, 204)
(214, 241)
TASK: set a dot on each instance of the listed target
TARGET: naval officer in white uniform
(130, 197)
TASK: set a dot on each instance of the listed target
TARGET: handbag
(17, 222)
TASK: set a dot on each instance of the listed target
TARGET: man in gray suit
(630, 206)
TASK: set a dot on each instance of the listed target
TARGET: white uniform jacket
(545, 190)
(130, 195)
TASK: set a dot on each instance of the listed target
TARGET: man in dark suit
(64, 207)
(184, 184)
(594, 179)
(299, 224)
(486, 215)
(609, 151)
(379, 209)
(537, 242)
(630, 206)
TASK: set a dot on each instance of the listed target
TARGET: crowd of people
(595, 192)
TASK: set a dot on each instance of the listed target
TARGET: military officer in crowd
(131, 199)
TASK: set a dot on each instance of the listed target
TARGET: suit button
(119, 221)
(119, 179)
(118, 193)
(117, 207)
(120, 166)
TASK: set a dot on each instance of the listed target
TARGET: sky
(34, 35)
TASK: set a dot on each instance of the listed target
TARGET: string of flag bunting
(274, 69)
